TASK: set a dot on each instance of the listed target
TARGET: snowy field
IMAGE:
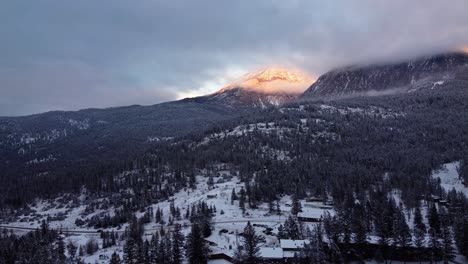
(450, 179)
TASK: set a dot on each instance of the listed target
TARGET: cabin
(313, 199)
(211, 243)
(309, 218)
(220, 256)
(318, 206)
(271, 255)
(292, 247)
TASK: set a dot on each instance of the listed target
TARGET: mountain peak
(272, 80)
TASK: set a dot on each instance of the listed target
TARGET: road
(147, 230)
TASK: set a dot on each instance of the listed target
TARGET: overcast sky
(68, 55)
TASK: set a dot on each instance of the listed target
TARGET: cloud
(75, 54)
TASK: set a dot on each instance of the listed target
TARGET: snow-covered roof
(310, 214)
(219, 261)
(293, 244)
(271, 253)
(289, 254)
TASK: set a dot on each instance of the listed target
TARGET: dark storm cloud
(76, 54)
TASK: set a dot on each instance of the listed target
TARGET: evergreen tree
(154, 246)
(242, 200)
(250, 242)
(233, 195)
(197, 251)
(401, 230)
(434, 243)
(292, 229)
(296, 206)
(434, 221)
(447, 244)
(177, 245)
(61, 251)
(115, 258)
(418, 223)
(80, 251)
(71, 251)
(418, 239)
(128, 249)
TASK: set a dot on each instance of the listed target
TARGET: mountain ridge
(403, 76)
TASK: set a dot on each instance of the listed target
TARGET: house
(212, 196)
(314, 199)
(292, 247)
(271, 253)
(220, 258)
(309, 217)
(293, 244)
(318, 205)
(219, 261)
(311, 205)
(435, 198)
(209, 242)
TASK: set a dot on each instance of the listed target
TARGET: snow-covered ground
(449, 178)
(372, 111)
(272, 128)
(228, 222)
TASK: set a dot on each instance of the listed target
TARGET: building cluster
(287, 250)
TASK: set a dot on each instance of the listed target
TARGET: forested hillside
(373, 156)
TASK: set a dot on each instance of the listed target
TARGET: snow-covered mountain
(407, 76)
(271, 86)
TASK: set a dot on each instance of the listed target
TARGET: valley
(324, 177)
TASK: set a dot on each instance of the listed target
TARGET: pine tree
(250, 242)
(197, 251)
(192, 180)
(154, 246)
(418, 239)
(61, 251)
(292, 229)
(447, 242)
(296, 206)
(143, 252)
(115, 258)
(242, 200)
(210, 182)
(206, 226)
(80, 251)
(278, 208)
(281, 233)
(161, 251)
(434, 243)
(71, 251)
(434, 221)
(158, 216)
(233, 195)
(177, 245)
(418, 223)
(91, 246)
(401, 230)
(128, 250)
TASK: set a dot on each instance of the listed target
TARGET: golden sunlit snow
(273, 79)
